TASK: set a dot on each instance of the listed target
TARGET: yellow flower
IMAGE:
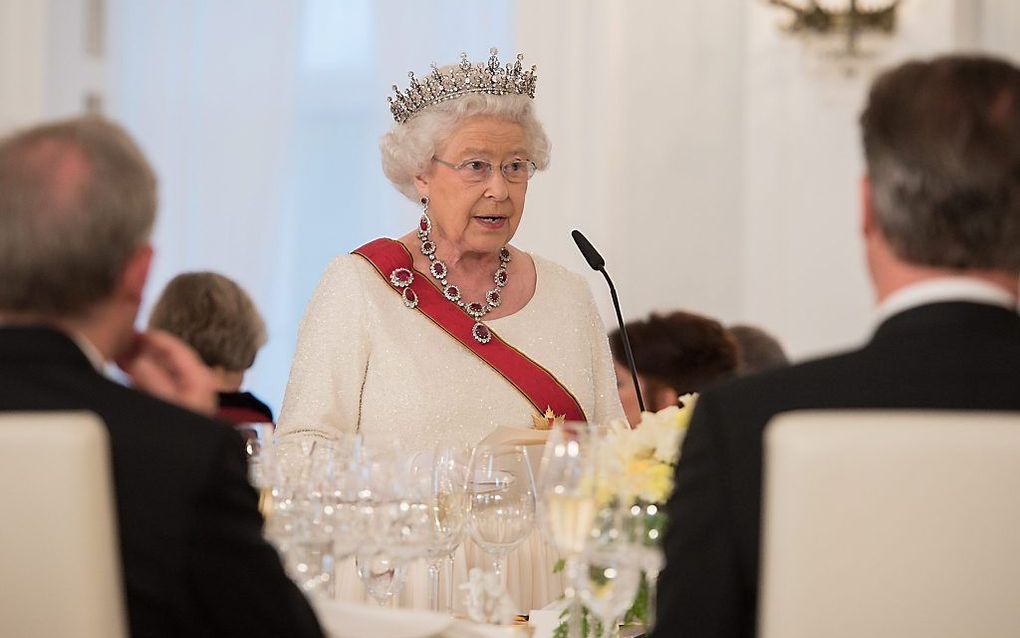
(649, 480)
(640, 461)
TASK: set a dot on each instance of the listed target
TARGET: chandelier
(842, 21)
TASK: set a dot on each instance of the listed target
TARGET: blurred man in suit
(941, 227)
(77, 206)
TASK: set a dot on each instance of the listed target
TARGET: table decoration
(486, 600)
(636, 467)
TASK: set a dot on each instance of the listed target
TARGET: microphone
(597, 262)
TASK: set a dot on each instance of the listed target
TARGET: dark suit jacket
(943, 356)
(194, 560)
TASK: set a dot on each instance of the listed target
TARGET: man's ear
(867, 208)
(136, 273)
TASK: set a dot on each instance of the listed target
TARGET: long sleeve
(323, 395)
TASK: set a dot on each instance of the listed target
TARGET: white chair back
(59, 558)
(892, 524)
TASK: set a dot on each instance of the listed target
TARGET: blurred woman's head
(675, 354)
(216, 317)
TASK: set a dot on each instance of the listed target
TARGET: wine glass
(302, 524)
(382, 575)
(258, 451)
(444, 475)
(501, 501)
(395, 526)
(647, 523)
(567, 500)
(609, 576)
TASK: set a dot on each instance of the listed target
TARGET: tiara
(436, 87)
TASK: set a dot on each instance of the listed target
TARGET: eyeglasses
(477, 171)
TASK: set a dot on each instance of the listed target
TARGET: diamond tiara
(437, 86)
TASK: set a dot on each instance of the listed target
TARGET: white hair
(407, 149)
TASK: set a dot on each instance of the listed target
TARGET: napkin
(506, 435)
(352, 620)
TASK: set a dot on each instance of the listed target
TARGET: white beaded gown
(366, 363)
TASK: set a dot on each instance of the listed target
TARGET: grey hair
(213, 315)
(407, 149)
(77, 198)
(942, 145)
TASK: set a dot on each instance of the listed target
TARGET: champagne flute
(447, 504)
(568, 501)
(501, 501)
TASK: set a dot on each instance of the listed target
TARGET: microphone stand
(596, 262)
(626, 340)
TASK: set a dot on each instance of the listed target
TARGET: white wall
(803, 273)
(643, 102)
(714, 159)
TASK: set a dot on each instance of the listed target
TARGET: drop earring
(425, 222)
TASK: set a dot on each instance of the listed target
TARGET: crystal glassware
(302, 523)
(445, 480)
(567, 501)
(395, 524)
(500, 501)
(609, 575)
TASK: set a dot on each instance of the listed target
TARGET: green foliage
(638, 612)
(592, 626)
(559, 566)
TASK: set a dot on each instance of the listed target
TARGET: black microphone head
(591, 255)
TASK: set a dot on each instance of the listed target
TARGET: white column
(48, 69)
(22, 62)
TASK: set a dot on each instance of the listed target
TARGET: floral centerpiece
(643, 458)
(639, 464)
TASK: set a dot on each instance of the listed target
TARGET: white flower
(640, 460)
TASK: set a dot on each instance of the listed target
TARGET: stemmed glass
(647, 522)
(258, 438)
(446, 500)
(609, 576)
(302, 523)
(501, 501)
(567, 501)
(379, 566)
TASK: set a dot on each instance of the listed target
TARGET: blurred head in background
(77, 206)
(675, 354)
(217, 318)
(757, 350)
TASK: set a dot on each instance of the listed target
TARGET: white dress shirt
(944, 289)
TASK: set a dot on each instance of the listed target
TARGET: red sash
(538, 385)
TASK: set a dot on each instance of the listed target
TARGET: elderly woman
(451, 331)
(216, 317)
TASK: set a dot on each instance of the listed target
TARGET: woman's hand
(166, 367)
